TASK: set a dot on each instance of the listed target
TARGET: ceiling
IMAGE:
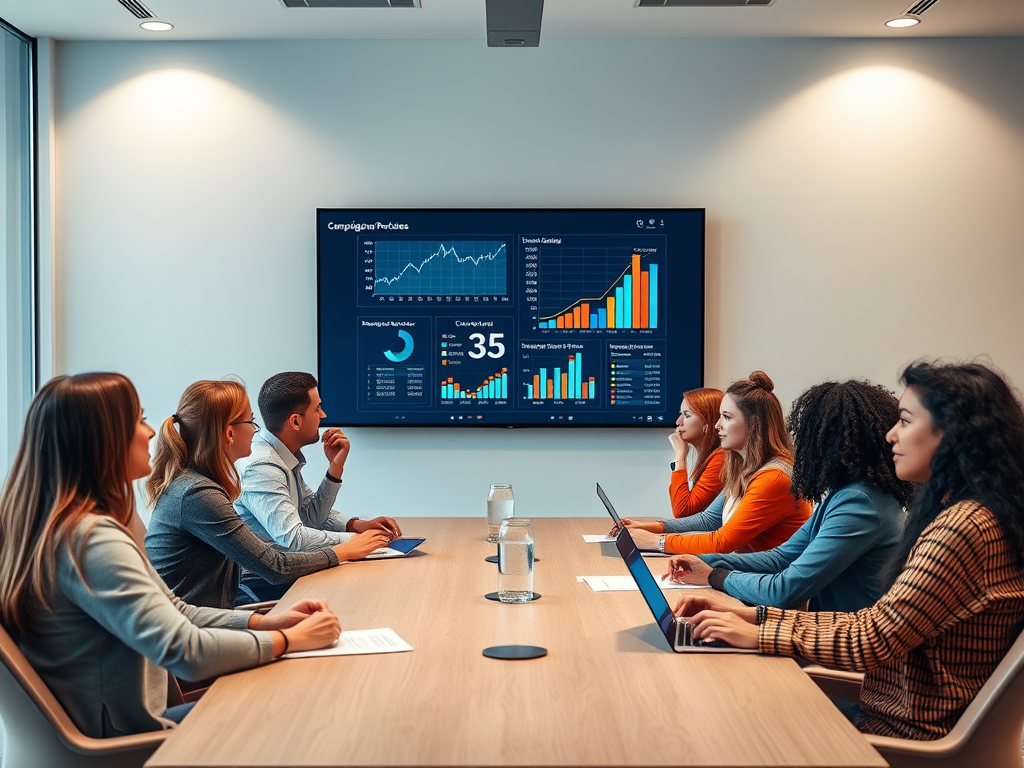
(464, 19)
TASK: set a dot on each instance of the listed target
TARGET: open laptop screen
(608, 505)
(645, 580)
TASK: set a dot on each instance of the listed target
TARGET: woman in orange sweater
(756, 510)
(692, 490)
(694, 485)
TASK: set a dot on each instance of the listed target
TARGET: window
(17, 236)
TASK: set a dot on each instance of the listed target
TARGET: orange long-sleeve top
(687, 501)
(764, 517)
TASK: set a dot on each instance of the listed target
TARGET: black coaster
(494, 596)
(512, 652)
(491, 559)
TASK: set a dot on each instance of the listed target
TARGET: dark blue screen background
(410, 299)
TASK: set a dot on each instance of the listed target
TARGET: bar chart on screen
(599, 286)
(494, 387)
(560, 372)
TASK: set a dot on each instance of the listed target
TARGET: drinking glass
(500, 505)
(515, 561)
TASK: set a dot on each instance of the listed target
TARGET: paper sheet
(359, 641)
(626, 584)
(597, 538)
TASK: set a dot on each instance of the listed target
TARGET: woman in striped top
(955, 599)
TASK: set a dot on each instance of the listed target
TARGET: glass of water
(500, 506)
(515, 561)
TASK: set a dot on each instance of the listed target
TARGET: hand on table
(725, 626)
(654, 526)
(315, 631)
(289, 618)
(644, 539)
(336, 449)
(385, 524)
(362, 544)
(688, 569)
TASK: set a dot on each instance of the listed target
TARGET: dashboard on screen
(475, 317)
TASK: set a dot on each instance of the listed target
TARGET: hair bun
(761, 379)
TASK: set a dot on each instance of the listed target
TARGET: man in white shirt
(276, 502)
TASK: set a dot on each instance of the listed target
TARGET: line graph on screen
(440, 268)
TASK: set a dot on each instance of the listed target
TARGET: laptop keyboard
(684, 637)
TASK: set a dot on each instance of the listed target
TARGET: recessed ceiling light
(902, 22)
(157, 26)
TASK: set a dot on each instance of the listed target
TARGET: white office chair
(38, 732)
(987, 735)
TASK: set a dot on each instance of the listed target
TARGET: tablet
(397, 548)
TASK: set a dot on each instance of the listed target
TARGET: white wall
(864, 203)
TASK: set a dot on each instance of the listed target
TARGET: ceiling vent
(514, 23)
(920, 7)
(700, 3)
(137, 9)
(352, 3)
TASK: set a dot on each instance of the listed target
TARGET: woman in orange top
(693, 489)
(691, 492)
(756, 510)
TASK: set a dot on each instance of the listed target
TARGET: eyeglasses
(252, 422)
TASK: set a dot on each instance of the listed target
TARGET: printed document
(627, 584)
(359, 641)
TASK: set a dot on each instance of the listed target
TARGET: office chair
(38, 732)
(987, 734)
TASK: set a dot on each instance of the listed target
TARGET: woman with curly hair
(844, 464)
(756, 510)
(955, 585)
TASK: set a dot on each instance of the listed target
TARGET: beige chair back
(38, 732)
(987, 735)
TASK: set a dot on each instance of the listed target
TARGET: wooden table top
(609, 692)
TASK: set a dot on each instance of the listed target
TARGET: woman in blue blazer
(843, 463)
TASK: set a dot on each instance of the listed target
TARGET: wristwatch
(661, 542)
(672, 466)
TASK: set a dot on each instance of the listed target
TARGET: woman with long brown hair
(196, 540)
(756, 510)
(76, 589)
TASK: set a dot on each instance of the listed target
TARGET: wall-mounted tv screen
(475, 317)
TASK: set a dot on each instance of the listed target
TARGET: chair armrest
(263, 607)
(943, 747)
(836, 683)
(88, 746)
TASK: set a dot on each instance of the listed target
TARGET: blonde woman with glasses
(196, 540)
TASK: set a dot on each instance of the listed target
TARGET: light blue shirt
(834, 560)
(280, 508)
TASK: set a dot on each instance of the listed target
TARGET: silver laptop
(676, 630)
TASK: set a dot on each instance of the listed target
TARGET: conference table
(609, 692)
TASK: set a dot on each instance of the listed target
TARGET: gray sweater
(113, 628)
(197, 541)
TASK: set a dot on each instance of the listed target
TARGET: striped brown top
(930, 643)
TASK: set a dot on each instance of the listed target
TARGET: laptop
(677, 631)
(395, 548)
(618, 522)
